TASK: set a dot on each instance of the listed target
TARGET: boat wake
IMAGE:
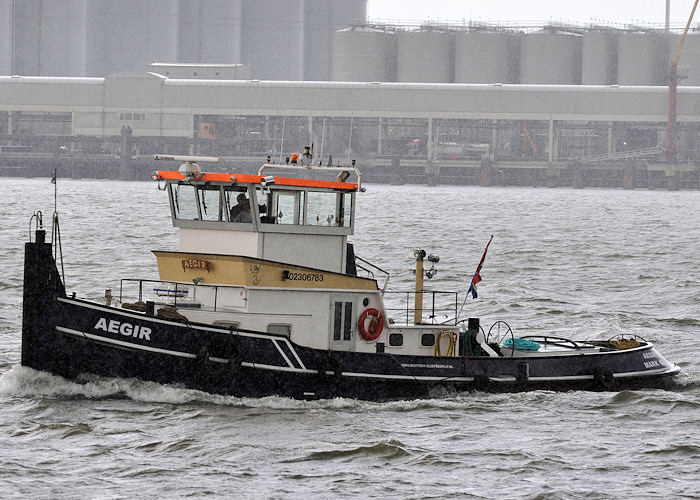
(24, 382)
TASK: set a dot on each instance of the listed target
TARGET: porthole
(396, 339)
(427, 339)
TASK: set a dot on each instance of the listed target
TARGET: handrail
(369, 271)
(552, 340)
(317, 169)
(438, 305)
(435, 309)
(183, 287)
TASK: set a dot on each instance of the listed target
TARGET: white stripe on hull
(508, 379)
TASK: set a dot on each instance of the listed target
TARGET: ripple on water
(567, 262)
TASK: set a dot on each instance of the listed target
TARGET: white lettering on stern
(126, 329)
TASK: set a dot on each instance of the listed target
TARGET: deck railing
(372, 271)
(439, 307)
(171, 290)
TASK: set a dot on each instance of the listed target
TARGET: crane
(673, 80)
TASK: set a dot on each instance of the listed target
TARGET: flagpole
(55, 189)
(55, 231)
(474, 278)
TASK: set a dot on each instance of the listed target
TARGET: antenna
(54, 181)
(350, 140)
(284, 119)
(323, 136)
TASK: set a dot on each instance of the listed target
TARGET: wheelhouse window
(213, 203)
(184, 200)
(300, 209)
(287, 207)
(210, 205)
(237, 204)
(329, 209)
(307, 207)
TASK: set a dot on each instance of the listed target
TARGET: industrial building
(279, 39)
(468, 103)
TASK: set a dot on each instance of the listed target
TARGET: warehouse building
(243, 79)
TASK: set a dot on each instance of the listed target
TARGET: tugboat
(265, 296)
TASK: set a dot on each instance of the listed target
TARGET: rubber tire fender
(203, 367)
(481, 382)
(330, 364)
(604, 377)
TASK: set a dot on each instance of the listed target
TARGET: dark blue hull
(68, 337)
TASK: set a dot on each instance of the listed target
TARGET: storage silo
(642, 59)
(273, 39)
(26, 46)
(363, 55)
(486, 57)
(63, 29)
(689, 63)
(128, 34)
(322, 19)
(6, 38)
(209, 32)
(551, 57)
(599, 60)
(424, 56)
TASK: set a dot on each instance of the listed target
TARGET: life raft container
(376, 324)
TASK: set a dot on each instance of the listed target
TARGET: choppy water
(577, 263)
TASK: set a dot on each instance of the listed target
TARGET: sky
(510, 11)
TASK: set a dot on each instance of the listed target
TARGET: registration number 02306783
(297, 276)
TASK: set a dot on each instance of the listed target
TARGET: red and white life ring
(376, 324)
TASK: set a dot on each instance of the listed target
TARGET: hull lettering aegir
(126, 329)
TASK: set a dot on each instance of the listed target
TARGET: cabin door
(343, 319)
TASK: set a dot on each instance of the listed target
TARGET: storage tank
(551, 57)
(273, 39)
(642, 59)
(689, 62)
(209, 32)
(599, 66)
(128, 34)
(322, 19)
(363, 55)
(486, 57)
(5, 38)
(63, 43)
(425, 57)
(26, 47)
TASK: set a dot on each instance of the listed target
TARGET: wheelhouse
(303, 222)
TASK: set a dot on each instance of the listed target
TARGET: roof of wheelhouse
(255, 179)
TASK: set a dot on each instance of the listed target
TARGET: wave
(692, 322)
(678, 450)
(391, 449)
(24, 382)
